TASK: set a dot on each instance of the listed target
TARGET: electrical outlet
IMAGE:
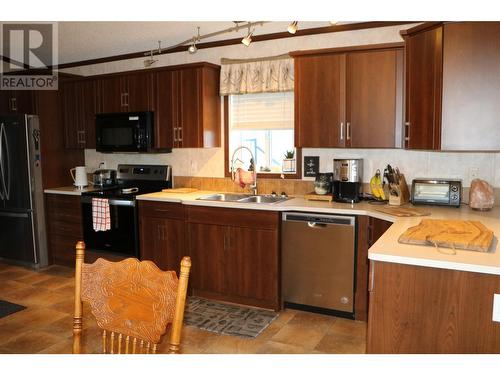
(496, 308)
(473, 173)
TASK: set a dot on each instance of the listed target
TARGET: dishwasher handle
(314, 220)
(314, 224)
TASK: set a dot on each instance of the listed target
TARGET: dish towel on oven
(101, 218)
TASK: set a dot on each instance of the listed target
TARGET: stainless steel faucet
(253, 167)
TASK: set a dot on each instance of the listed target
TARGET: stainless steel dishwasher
(318, 257)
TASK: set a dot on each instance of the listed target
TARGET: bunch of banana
(376, 186)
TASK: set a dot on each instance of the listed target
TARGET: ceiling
(90, 40)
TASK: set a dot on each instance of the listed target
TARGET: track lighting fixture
(292, 28)
(191, 43)
(248, 39)
(151, 60)
(192, 48)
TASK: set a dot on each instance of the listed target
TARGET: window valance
(271, 74)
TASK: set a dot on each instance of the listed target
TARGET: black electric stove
(132, 180)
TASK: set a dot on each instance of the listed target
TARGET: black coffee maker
(347, 180)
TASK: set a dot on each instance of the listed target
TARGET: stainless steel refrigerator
(22, 217)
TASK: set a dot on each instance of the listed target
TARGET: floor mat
(227, 319)
(7, 308)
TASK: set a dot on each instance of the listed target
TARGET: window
(264, 123)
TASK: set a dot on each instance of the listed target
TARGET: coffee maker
(347, 180)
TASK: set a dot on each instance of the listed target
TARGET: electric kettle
(79, 176)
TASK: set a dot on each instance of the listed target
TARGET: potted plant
(289, 161)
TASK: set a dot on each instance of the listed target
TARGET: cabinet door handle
(175, 134)
(13, 104)
(341, 131)
(348, 131)
(372, 276)
(125, 95)
(180, 134)
(407, 131)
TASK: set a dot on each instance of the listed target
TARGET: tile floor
(46, 325)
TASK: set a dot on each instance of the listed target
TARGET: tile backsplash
(210, 162)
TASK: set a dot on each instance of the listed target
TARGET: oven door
(122, 238)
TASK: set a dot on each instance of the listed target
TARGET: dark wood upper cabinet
(138, 92)
(452, 86)
(349, 97)
(319, 104)
(374, 100)
(471, 86)
(79, 105)
(165, 84)
(112, 94)
(185, 100)
(198, 112)
(424, 64)
(17, 101)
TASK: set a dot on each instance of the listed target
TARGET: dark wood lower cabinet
(162, 234)
(207, 245)
(64, 226)
(429, 310)
(235, 255)
(64, 229)
(369, 231)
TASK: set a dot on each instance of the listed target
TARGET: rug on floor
(227, 319)
(7, 308)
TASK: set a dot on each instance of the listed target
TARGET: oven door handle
(112, 202)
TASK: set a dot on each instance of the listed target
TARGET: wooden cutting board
(401, 211)
(316, 197)
(455, 234)
(180, 190)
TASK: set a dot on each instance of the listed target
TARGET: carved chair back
(132, 301)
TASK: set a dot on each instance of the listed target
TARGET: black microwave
(125, 132)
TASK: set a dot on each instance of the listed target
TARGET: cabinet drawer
(65, 228)
(256, 219)
(63, 208)
(161, 210)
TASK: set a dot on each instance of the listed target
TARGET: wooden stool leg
(77, 316)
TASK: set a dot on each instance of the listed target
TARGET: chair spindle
(104, 341)
(120, 343)
(134, 345)
(127, 340)
(112, 343)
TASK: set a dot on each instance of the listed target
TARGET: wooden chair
(132, 301)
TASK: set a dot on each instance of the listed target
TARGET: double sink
(243, 198)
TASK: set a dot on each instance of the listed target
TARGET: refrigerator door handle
(2, 175)
(6, 165)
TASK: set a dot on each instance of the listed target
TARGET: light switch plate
(496, 307)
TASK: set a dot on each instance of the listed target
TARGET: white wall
(210, 162)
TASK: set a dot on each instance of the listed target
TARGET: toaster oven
(442, 192)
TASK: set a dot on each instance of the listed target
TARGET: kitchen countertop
(387, 248)
(68, 190)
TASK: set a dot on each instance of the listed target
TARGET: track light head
(292, 28)
(248, 39)
(333, 23)
(192, 49)
(150, 61)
